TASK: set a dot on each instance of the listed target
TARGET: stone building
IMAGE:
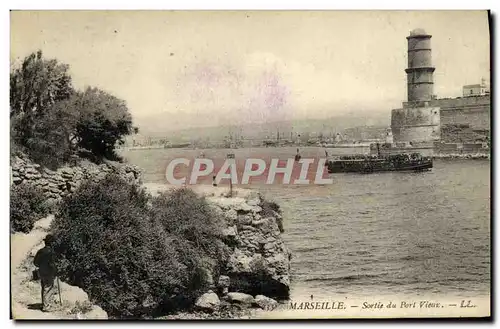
(427, 120)
(418, 121)
(479, 89)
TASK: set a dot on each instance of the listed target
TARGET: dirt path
(25, 292)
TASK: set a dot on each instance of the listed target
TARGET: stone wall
(424, 148)
(56, 184)
(462, 102)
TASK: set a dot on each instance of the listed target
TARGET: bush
(187, 216)
(129, 255)
(27, 205)
(183, 213)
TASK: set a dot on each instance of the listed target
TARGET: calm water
(403, 234)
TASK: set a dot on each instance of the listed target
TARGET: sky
(206, 68)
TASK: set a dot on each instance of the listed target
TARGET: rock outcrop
(56, 184)
(259, 263)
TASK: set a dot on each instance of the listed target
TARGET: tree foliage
(50, 142)
(103, 121)
(34, 88)
(51, 121)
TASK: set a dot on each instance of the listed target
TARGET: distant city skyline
(187, 69)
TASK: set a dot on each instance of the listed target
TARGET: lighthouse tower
(418, 123)
(420, 70)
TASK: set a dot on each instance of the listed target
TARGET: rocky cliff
(259, 263)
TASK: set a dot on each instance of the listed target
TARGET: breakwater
(464, 156)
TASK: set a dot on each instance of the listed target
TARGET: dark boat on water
(377, 163)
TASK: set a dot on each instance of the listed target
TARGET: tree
(50, 121)
(103, 122)
(35, 87)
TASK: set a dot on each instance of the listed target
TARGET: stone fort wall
(473, 111)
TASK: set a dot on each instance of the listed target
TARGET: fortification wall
(477, 118)
(424, 148)
(461, 102)
(472, 111)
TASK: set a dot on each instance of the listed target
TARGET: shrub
(183, 213)
(27, 205)
(188, 217)
(126, 254)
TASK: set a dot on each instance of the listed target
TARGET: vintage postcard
(250, 164)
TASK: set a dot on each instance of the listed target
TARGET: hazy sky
(209, 68)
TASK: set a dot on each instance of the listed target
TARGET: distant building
(480, 89)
